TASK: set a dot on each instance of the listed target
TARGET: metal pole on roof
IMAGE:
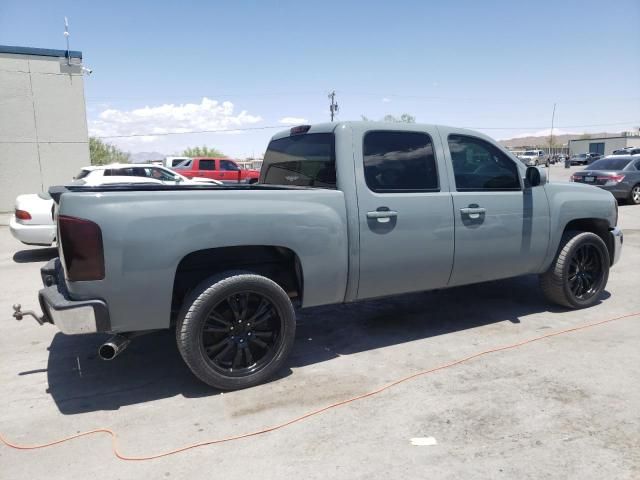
(66, 36)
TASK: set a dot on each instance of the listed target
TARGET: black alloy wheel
(236, 330)
(240, 333)
(585, 272)
(579, 272)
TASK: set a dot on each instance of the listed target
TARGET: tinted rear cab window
(396, 161)
(301, 160)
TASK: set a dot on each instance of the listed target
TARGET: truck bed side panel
(147, 234)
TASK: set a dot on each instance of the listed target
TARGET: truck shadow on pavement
(152, 369)
(35, 255)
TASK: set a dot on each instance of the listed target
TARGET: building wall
(43, 125)
(610, 144)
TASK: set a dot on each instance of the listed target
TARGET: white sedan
(156, 172)
(32, 222)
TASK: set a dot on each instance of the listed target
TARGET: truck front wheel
(236, 330)
(579, 272)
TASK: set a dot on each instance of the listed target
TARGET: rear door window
(302, 160)
(396, 161)
(207, 165)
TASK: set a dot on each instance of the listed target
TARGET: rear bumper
(72, 317)
(43, 235)
(617, 241)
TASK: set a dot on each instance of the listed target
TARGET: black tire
(634, 195)
(571, 281)
(224, 314)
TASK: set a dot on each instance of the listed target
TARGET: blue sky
(497, 66)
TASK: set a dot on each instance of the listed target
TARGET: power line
(563, 126)
(283, 127)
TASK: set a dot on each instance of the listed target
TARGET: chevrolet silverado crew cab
(342, 212)
(221, 169)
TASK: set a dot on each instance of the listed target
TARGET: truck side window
(478, 165)
(397, 161)
(228, 165)
(207, 165)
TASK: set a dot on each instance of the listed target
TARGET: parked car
(584, 158)
(627, 151)
(222, 169)
(343, 212)
(33, 221)
(619, 174)
(156, 172)
(534, 158)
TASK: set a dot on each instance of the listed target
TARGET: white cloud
(293, 120)
(188, 117)
(386, 100)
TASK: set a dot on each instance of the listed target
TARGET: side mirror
(535, 177)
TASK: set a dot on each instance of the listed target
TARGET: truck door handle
(472, 210)
(382, 214)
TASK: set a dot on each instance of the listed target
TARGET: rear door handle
(382, 214)
(472, 210)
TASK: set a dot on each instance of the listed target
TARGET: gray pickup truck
(343, 212)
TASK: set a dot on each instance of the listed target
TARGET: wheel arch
(278, 263)
(598, 226)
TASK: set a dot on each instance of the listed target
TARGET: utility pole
(333, 108)
(553, 116)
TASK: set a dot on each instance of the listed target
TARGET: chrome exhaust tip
(113, 347)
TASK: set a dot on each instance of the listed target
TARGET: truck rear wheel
(579, 272)
(236, 330)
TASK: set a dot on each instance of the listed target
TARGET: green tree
(406, 118)
(203, 151)
(102, 153)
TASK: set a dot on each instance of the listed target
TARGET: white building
(43, 123)
(604, 145)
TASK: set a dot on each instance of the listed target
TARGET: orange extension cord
(312, 413)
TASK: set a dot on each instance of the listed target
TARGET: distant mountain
(543, 140)
(145, 157)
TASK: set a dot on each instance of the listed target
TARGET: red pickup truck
(222, 169)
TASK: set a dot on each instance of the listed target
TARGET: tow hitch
(18, 314)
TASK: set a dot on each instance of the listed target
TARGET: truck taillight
(23, 215)
(81, 242)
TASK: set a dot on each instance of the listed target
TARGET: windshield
(301, 160)
(610, 164)
(531, 152)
